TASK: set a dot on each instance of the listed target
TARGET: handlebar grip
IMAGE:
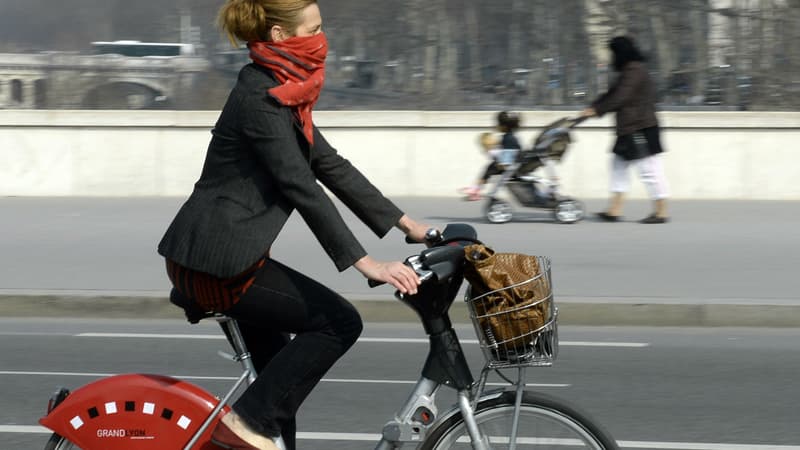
(375, 283)
(578, 120)
(432, 236)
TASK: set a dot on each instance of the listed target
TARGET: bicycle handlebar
(432, 237)
(440, 260)
(374, 283)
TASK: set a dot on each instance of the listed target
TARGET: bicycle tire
(58, 442)
(560, 425)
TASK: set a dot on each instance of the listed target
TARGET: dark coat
(258, 169)
(632, 97)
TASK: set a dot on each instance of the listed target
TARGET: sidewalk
(718, 263)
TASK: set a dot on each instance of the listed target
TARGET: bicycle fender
(134, 412)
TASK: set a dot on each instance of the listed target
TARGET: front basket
(517, 325)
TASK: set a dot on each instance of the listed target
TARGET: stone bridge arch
(66, 80)
(127, 93)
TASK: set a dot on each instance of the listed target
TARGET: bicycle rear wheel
(58, 442)
(544, 423)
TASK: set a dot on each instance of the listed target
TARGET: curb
(607, 313)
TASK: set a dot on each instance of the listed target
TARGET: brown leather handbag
(511, 295)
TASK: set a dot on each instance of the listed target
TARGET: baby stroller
(537, 190)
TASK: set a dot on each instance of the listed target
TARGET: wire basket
(517, 325)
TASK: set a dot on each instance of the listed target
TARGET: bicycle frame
(419, 413)
(444, 365)
(143, 395)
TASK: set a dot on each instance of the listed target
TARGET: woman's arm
(271, 134)
(361, 196)
(351, 186)
(396, 273)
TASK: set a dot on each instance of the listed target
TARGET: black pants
(283, 301)
(492, 169)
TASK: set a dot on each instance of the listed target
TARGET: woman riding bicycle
(263, 162)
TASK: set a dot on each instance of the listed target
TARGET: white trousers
(651, 172)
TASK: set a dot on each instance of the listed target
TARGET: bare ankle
(246, 433)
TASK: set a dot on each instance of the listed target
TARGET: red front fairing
(134, 412)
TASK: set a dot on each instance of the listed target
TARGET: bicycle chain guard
(134, 412)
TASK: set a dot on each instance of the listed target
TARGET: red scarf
(299, 65)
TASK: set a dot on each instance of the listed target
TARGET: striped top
(209, 292)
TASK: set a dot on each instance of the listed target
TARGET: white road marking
(373, 437)
(702, 446)
(363, 339)
(57, 374)
(207, 378)
(347, 380)
(24, 429)
(152, 336)
(475, 342)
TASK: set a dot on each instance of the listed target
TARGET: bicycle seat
(193, 312)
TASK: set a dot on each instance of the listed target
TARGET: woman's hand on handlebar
(399, 275)
(414, 230)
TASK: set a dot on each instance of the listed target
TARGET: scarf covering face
(299, 65)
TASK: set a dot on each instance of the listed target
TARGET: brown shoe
(225, 438)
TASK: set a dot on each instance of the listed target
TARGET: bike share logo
(122, 433)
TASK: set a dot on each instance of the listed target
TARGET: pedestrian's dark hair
(508, 120)
(624, 51)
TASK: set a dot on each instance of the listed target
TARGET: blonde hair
(488, 140)
(252, 20)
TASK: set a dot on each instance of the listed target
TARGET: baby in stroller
(502, 152)
(546, 153)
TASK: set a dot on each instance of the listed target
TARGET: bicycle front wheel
(57, 442)
(544, 423)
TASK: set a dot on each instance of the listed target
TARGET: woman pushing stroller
(632, 97)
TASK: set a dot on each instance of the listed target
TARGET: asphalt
(708, 288)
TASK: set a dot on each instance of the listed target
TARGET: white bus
(137, 48)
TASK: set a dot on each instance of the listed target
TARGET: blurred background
(407, 54)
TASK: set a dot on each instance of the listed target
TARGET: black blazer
(259, 167)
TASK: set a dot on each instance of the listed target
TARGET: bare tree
(473, 43)
(484, 53)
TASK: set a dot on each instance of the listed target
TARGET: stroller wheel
(498, 211)
(568, 211)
